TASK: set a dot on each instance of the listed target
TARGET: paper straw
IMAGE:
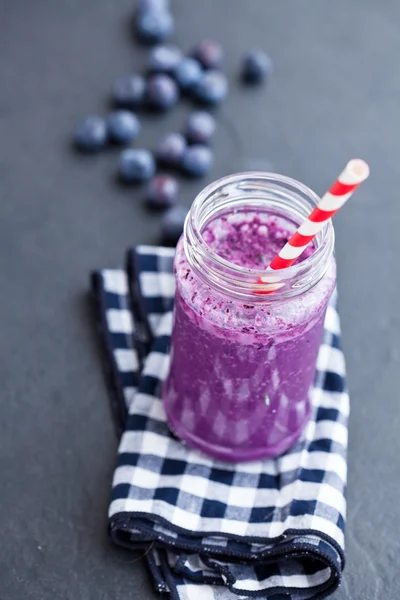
(355, 172)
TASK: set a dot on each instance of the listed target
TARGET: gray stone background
(334, 95)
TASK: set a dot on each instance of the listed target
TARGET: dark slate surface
(335, 95)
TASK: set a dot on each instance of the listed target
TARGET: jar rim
(238, 274)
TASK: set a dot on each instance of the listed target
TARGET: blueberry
(172, 224)
(164, 58)
(187, 73)
(123, 126)
(170, 149)
(162, 191)
(197, 160)
(162, 92)
(256, 66)
(200, 127)
(129, 91)
(136, 165)
(212, 88)
(91, 134)
(209, 54)
(153, 26)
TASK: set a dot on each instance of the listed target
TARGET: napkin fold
(210, 530)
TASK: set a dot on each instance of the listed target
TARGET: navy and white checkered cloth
(212, 530)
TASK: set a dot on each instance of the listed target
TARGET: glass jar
(244, 344)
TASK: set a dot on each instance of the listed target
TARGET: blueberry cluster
(187, 153)
(168, 76)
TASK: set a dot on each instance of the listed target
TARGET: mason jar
(244, 343)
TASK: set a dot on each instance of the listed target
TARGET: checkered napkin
(210, 530)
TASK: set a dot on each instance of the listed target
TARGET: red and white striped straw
(355, 172)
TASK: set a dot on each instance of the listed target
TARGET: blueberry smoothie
(242, 370)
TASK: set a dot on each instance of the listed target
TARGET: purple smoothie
(241, 372)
